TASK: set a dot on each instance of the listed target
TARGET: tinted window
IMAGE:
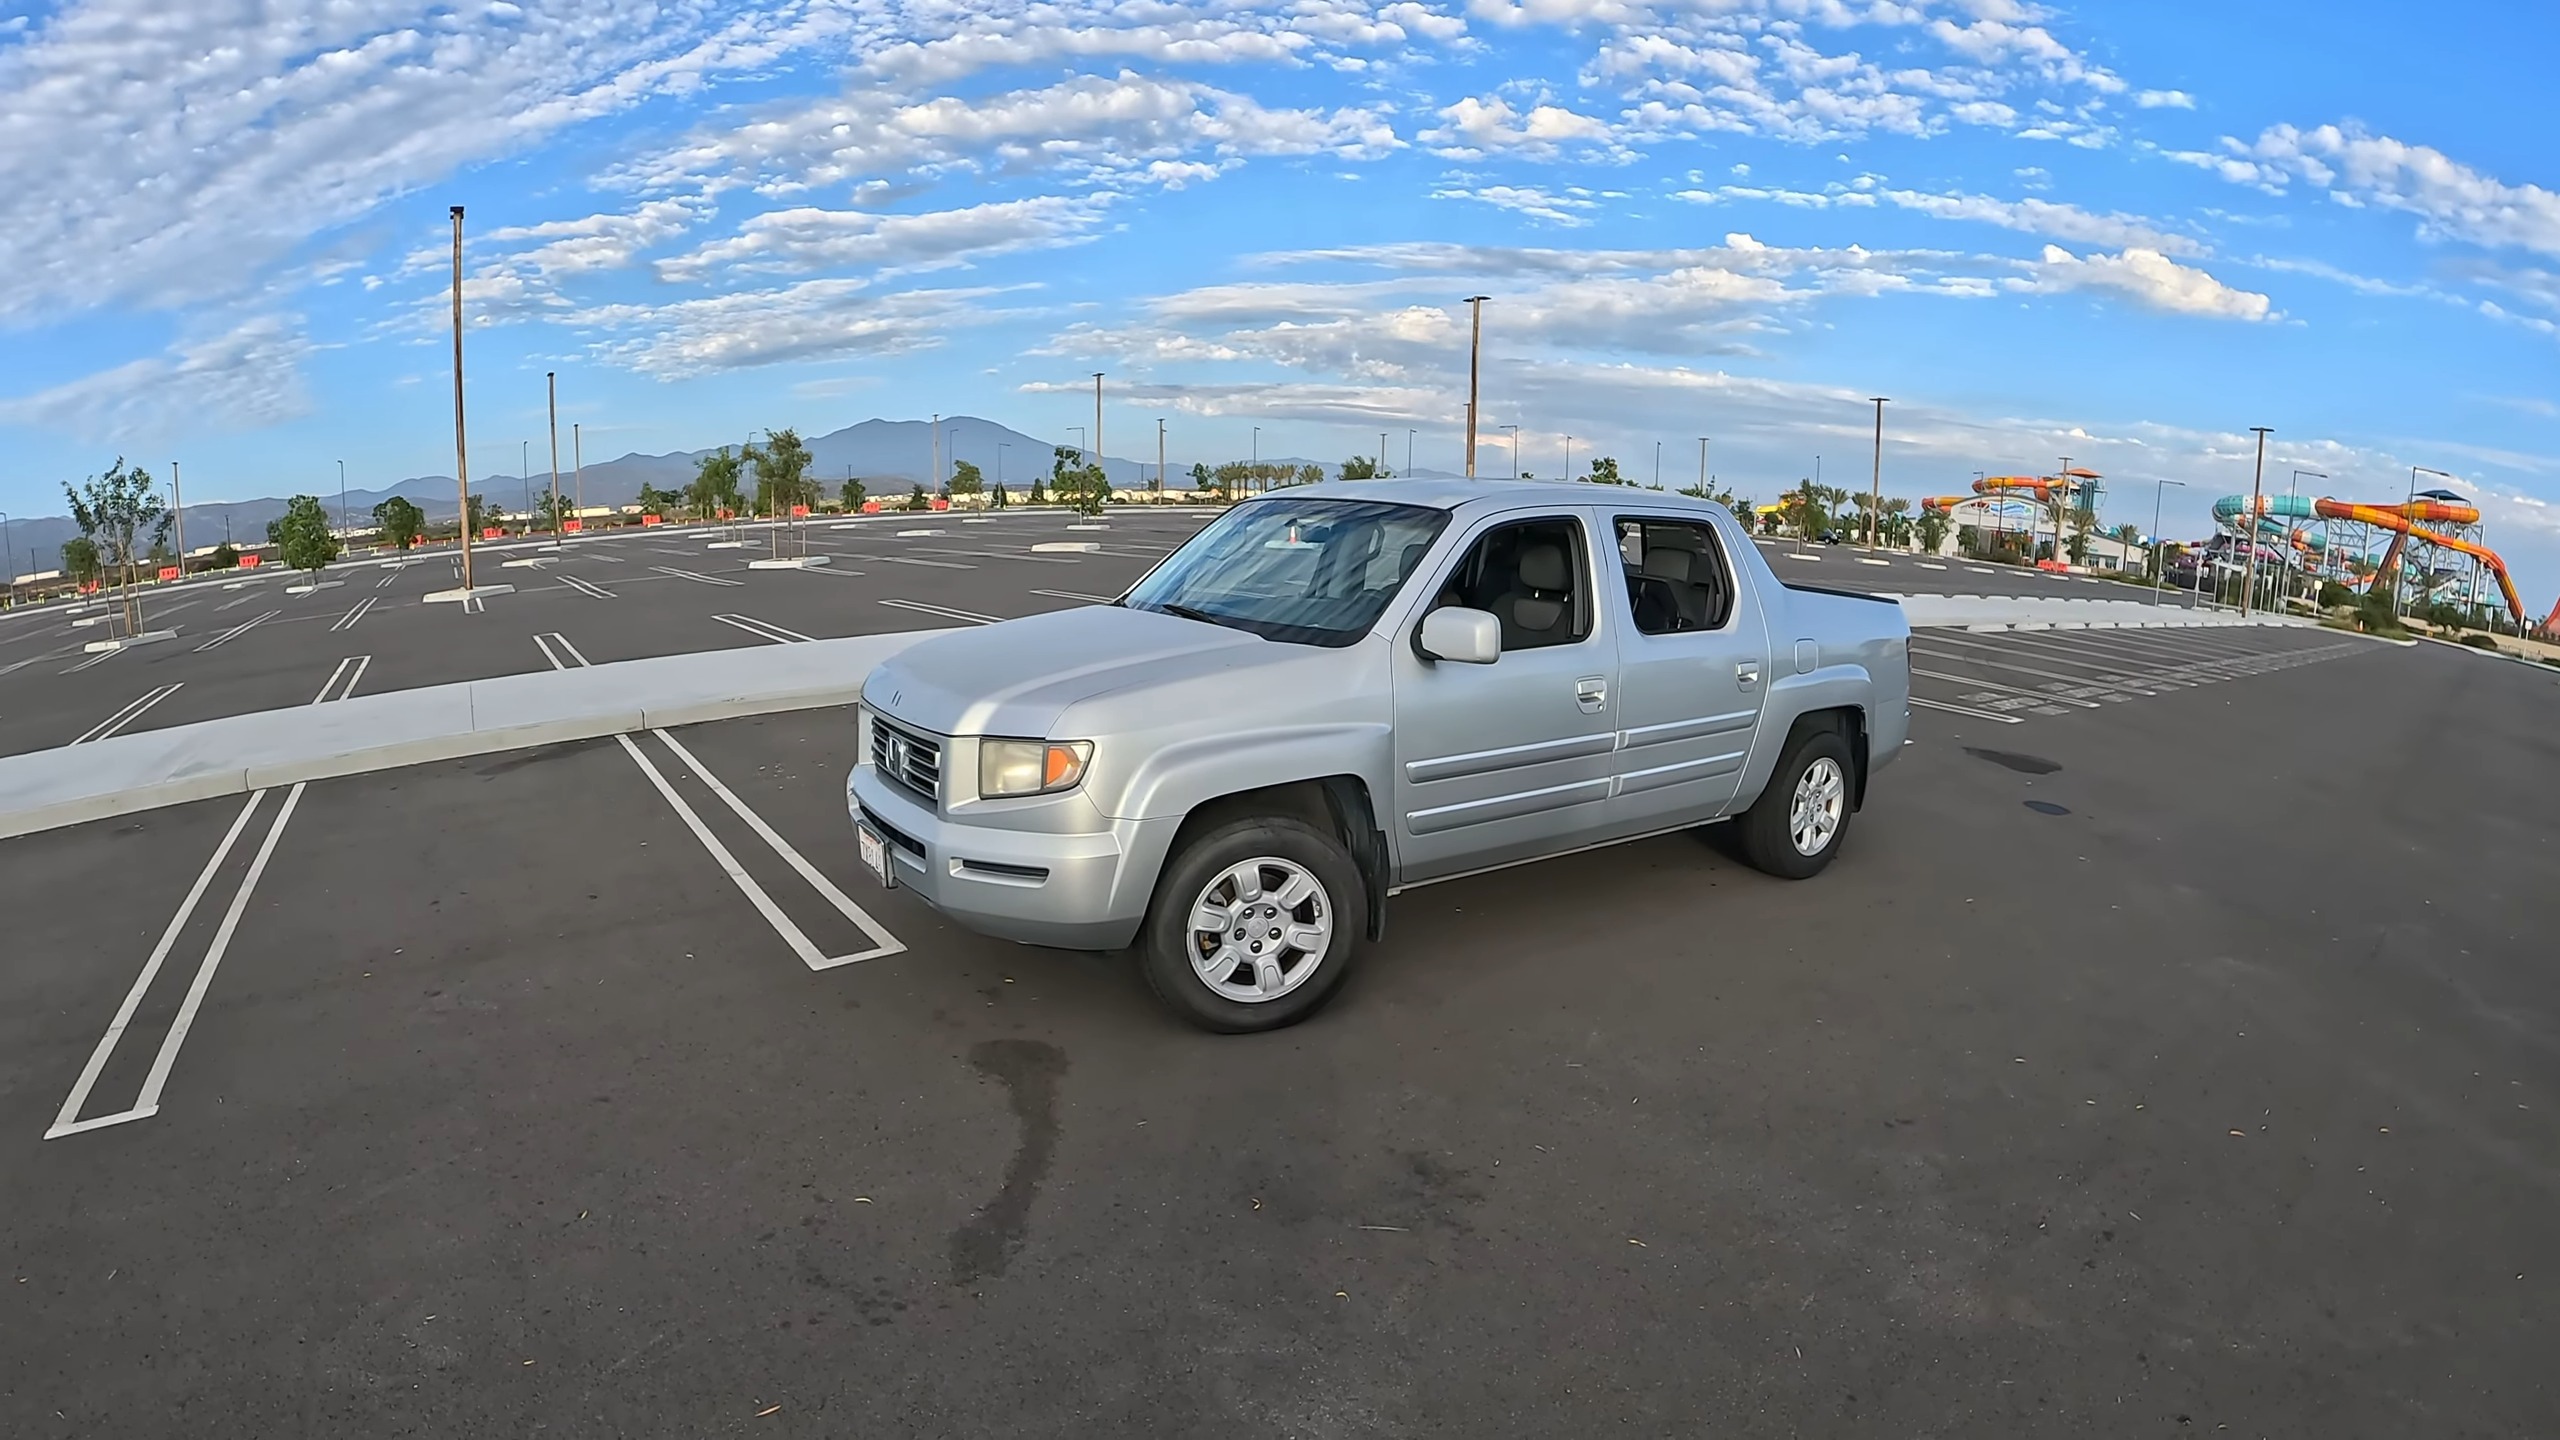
(1311, 572)
(1675, 575)
(1531, 577)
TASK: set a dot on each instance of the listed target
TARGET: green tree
(654, 501)
(1001, 498)
(918, 500)
(782, 473)
(854, 493)
(479, 516)
(303, 539)
(224, 557)
(120, 512)
(2127, 534)
(1205, 482)
(1080, 485)
(2076, 545)
(401, 521)
(2374, 611)
(715, 485)
(80, 560)
(1604, 471)
(1362, 467)
(967, 479)
(2333, 595)
(1932, 526)
(1312, 474)
(553, 511)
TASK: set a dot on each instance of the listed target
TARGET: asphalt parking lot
(2172, 1051)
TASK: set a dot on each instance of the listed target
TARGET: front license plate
(875, 856)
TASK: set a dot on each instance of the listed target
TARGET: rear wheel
(1254, 925)
(1797, 824)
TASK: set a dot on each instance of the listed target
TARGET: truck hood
(1018, 677)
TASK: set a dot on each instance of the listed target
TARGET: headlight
(1030, 767)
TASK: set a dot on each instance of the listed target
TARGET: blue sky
(2122, 233)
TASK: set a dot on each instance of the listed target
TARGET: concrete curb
(50, 789)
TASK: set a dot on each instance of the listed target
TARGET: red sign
(572, 526)
(941, 504)
(653, 520)
(799, 512)
(494, 532)
(169, 572)
(248, 562)
(870, 507)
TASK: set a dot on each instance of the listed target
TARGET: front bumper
(1072, 892)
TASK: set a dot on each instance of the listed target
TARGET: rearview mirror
(1469, 637)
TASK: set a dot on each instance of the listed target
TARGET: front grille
(911, 759)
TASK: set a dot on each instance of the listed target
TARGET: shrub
(2333, 594)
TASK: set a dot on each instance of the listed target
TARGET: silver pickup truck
(1341, 691)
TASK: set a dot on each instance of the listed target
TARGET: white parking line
(235, 632)
(348, 620)
(131, 712)
(1927, 565)
(946, 612)
(341, 683)
(586, 587)
(882, 942)
(382, 584)
(690, 575)
(762, 629)
(98, 659)
(243, 600)
(1864, 560)
(2047, 697)
(1793, 555)
(1963, 710)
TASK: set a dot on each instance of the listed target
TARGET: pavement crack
(1029, 1070)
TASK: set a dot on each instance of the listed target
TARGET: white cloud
(2149, 277)
(2453, 200)
(233, 376)
(162, 155)
(1531, 200)
(807, 239)
(1474, 126)
(815, 319)
(2164, 100)
(2050, 219)
(596, 242)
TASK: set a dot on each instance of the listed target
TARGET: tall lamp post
(1875, 479)
(344, 525)
(8, 591)
(1657, 464)
(1408, 454)
(1702, 465)
(524, 472)
(2292, 488)
(461, 453)
(2249, 531)
(1515, 450)
(577, 473)
(1475, 359)
(1568, 457)
(2158, 570)
(1099, 462)
(551, 390)
(1159, 457)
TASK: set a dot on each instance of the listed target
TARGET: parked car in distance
(1343, 691)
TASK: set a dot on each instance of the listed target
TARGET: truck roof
(1451, 494)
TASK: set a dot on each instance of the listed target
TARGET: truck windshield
(1308, 572)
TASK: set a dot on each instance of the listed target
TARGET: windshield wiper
(1187, 613)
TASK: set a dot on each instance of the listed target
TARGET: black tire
(1767, 830)
(1168, 943)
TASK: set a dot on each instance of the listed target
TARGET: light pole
(1098, 460)
(1079, 442)
(1702, 466)
(343, 524)
(936, 462)
(1515, 450)
(1159, 457)
(9, 591)
(2399, 586)
(178, 514)
(1475, 356)
(551, 390)
(1875, 480)
(524, 472)
(2249, 531)
(1657, 464)
(1001, 447)
(2158, 569)
(1408, 454)
(1257, 454)
(577, 473)
(461, 454)
(1568, 457)
(2290, 490)
(1382, 452)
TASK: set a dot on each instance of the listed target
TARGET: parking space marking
(1078, 595)
(1003, 555)
(382, 584)
(2046, 696)
(1866, 560)
(348, 620)
(554, 648)
(131, 712)
(100, 658)
(946, 612)
(762, 629)
(236, 631)
(2123, 683)
(690, 575)
(1926, 565)
(586, 587)
(341, 683)
(1963, 710)
(911, 560)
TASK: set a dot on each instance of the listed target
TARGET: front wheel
(1254, 926)
(1796, 825)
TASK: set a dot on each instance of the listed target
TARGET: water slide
(2403, 521)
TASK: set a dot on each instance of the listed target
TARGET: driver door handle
(1747, 673)
(1591, 693)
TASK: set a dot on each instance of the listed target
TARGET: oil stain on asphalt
(1029, 1070)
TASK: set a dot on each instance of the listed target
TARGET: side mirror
(1469, 637)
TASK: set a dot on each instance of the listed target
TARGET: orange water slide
(2397, 518)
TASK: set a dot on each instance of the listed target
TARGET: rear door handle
(1591, 693)
(1747, 673)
